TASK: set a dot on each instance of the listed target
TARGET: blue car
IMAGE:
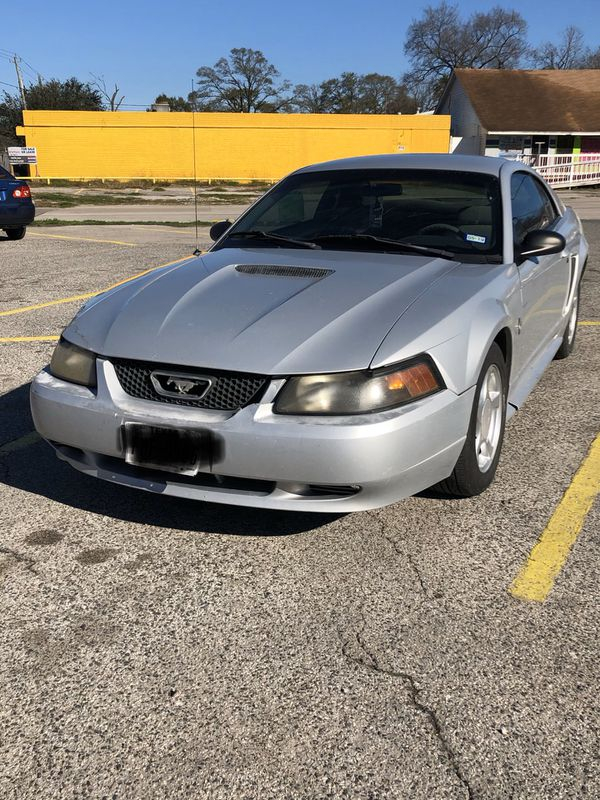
(16, 206)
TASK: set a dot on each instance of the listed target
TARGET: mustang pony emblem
(183, 387)
(170, 384)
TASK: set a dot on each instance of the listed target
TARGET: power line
(7, 55)
(33, 70)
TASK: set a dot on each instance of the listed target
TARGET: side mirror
(542, 243)
(218, 229)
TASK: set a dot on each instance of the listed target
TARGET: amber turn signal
(416, 380)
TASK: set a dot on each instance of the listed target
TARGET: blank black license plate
(169, 449)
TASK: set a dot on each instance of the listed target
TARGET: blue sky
(156, 45)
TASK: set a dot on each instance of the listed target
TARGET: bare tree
(110, 96)
(244, 81)
(592, 60)
(441, 41)
(569, 53)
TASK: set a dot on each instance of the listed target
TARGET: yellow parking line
(81, 239)
(86, 296)
(536, 578)
(589, 322)
(18, 444)
(48, 303)
(52, 338)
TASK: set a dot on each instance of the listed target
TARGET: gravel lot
(158, 648)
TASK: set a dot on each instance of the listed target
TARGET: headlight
(73, 364)
(359, 392)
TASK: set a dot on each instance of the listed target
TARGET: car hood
(227, 310)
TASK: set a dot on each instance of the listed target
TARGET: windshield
(448, 211)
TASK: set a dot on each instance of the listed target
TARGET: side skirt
(520, 391)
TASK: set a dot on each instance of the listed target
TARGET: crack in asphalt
(405, 554)
(27, 561)
(370, 661)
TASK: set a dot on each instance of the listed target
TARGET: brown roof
(535, 100)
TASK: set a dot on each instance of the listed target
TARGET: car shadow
(34, 467)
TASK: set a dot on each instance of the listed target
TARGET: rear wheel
(568, 342)
(477, 463)
(16, 233)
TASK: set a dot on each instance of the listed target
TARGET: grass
(61, 200)
(58, 200)
(144, 184)
(52, 222)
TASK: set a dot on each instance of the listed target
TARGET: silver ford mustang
(359, 334)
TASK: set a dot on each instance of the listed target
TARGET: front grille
(229, 391)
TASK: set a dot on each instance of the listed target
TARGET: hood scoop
(274, 271)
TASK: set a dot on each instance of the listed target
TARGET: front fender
(456, 322)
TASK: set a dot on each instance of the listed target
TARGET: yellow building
(136, 144)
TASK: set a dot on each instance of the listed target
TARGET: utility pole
(16, 60)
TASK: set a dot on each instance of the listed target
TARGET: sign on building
(22, 155)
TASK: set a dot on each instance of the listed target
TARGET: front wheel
(477, 463)
(16, 233)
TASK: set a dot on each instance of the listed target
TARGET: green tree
(10, 116)
(69, 95)
(244, 82)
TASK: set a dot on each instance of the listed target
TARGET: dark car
(16, 206)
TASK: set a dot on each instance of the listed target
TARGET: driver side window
(529, 208)
(294, 207)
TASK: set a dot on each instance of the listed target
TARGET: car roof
(490, 165)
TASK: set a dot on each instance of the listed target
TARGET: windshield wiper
(369, 238)
(275, 237)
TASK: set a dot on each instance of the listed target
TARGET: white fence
(567, 171)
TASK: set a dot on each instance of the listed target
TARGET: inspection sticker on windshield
(472, 237)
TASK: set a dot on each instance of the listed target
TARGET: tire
(477, 463)
(568, 341)
(16, 233)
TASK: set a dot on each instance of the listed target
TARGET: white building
(515, 113)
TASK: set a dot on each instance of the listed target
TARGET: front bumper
(269, 461)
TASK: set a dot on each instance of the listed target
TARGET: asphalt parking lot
(159, 648)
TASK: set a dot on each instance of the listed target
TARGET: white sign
(22, 155)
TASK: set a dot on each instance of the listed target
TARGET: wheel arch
(504, 341)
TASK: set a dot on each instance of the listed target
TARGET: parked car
(361, 333)
(17, 210)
